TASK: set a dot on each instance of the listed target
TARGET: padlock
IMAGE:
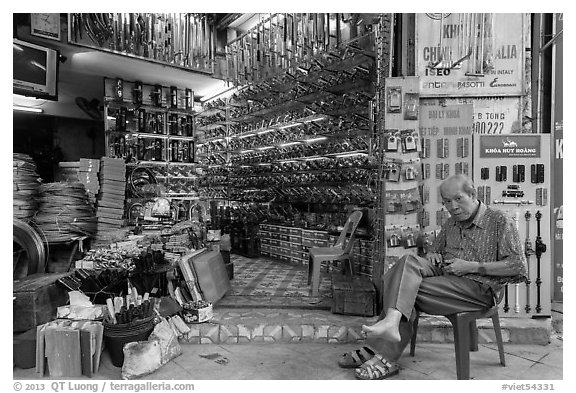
(394, 173)
(410, 173)
(392, 143)
(410, 241)
(394, 240)
(409, 143)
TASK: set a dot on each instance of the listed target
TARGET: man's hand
(434, 258)
(459, 267)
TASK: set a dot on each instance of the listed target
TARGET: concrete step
(237, 325)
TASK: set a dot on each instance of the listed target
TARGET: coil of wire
(25, 183)
(65, 212)
(29, 253)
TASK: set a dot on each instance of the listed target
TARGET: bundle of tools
(65, 212)
(104, 258)
(130, 308)
(25, 182)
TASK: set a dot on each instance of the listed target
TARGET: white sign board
(470, 54)
(492, 115)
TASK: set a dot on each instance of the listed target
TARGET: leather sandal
(376, 368)
(356, 358)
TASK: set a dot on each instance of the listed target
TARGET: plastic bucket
(115, 336)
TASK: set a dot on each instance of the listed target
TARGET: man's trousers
(415, 283)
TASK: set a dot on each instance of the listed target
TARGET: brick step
(234, 325)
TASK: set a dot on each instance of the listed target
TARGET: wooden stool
(466, 337)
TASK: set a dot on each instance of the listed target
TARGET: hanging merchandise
(25, 182)
(512, 173)
(179, 39)
(65, 212)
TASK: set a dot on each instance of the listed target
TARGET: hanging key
(459, 147)
(488, 193)
(446, 171)
(484, 173)
(425, 194)
(533, 174)
(515, 175)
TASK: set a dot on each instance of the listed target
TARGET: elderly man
(477, 251)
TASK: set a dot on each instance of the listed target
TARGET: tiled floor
(265, 282)
(318, 361)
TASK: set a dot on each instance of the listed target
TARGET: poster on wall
(470, 54)
(491, 115)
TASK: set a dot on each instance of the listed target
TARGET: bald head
(459, 182)
(459, 197)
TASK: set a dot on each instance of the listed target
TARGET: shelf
(270, 173)
(160, 163)
(115, 104)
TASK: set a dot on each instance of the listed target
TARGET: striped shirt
(491, 236)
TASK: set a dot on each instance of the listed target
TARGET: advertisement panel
(491, 115)
(470, 54)
(510, 146)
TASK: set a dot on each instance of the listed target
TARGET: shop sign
(491, 115)
(445, 120)
(470, 54)
(558, 212)
(510, 146)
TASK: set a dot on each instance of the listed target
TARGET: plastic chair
(466, 337)
(339, 252)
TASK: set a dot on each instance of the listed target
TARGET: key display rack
(181, 40)
(303, 140)
(152, 127)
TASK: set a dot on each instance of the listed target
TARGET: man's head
(459, 197)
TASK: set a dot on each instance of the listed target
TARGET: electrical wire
(65, 212)
(29, 253)
(138, 178)
(25, 183)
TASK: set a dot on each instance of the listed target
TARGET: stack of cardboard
(112, 193)
(88, 175)
(67, 171)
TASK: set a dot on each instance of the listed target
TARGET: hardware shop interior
(171, 170)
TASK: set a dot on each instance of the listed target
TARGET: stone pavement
(314, 361)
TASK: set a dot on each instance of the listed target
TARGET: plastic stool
(466, 337)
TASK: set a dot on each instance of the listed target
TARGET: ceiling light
(27, 109)
(245, 136)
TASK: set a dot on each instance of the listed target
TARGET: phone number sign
(470, 54)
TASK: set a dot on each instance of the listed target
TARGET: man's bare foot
(388, 330)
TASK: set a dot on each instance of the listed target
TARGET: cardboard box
(353, 296)
(37, 297)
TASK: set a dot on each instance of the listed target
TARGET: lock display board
(512, 173)
(401, 166)
(446, 138)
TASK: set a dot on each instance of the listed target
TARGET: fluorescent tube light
(27, 109)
